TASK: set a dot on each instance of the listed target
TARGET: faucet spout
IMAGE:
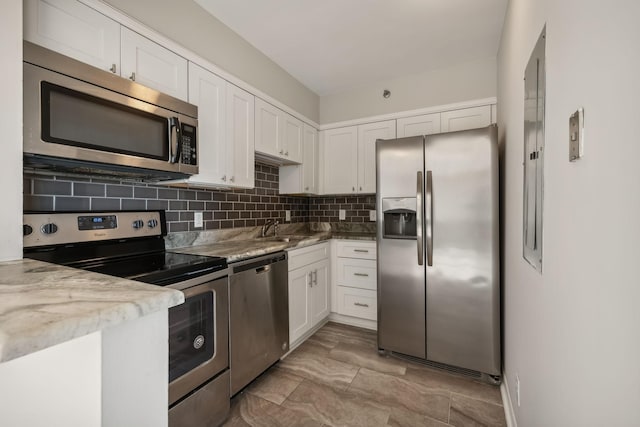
(267, 225)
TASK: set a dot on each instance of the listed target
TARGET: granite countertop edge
(43, 304)
(238, 250)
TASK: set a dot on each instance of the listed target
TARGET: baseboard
(354, 321)
(509, 415)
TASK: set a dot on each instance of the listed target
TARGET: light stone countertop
(44, 304)
(240, 249)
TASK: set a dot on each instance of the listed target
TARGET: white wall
(191, 26)
(463, 82)
(572, 334)
(11, 125)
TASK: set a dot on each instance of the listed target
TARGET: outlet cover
(287, 216)
(372, 215)
(342, 215)
(197, 220)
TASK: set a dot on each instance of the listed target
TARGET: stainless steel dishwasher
(258, 316)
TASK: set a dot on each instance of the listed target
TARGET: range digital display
(97, 222)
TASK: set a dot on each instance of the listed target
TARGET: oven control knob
(138, 223)
(152, 223)
(26, 229)
(49, 228)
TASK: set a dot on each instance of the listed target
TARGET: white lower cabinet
(355, 280)
(309, 297)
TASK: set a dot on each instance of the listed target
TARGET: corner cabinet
(240, 136)
(309, 290)
(302, 179)
(349, 157)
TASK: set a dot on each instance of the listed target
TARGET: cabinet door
(468, 118)
(268, 127)
(310, 160)
(425, 124)
(340, 159)
(74, 30)
(152, 65)
(240, 136)
(367, 136)
(299, 303)
(320, 298)
(292, 137)
(207, 91)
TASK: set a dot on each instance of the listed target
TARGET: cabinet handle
(232, 179)
(359, 304)
(361, 274)
(224, 178)
(133, 76)
(360, 188)
(311, 279)
(365, 251)
(281, 151)
(315, 277)
(286, 153)
(353, 188)
(113, 68)
(306, 188)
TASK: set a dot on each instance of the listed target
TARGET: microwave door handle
(174, 139)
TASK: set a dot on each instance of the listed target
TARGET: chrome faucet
(267, 225)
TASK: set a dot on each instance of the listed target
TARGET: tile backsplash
(221, 209)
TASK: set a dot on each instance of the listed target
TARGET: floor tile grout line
(449, 414)
(476, 399)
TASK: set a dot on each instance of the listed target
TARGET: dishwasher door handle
(263, 269)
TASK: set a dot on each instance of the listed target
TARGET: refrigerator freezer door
(401, 288)
(463, 292)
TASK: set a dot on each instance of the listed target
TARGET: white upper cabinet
(278, 134)
(268, 128)
(339, 151)
(208, 92)
(75, 30)
(468, 118)
(425, 124)
(150, 64)
(240, 117)
(349, 157)
(302, 179)
(367, 136)
(292, 139)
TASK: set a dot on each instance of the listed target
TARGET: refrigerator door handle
(429, 218)
(419, 219)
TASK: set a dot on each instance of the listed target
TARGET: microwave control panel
(189, 152)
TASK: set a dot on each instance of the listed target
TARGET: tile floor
(337, 378)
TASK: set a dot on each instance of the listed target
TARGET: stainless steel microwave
(78, 118)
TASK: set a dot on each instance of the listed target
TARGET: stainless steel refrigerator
(438, 249)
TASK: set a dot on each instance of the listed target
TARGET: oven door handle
(263, 269)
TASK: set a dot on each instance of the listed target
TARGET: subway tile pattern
(221, 209)
(326, 209)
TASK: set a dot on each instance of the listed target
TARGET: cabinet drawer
(357, 273)
(305, 256)
(357, 249)
(357, 302)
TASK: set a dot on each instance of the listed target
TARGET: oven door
(71, 119)
(198, 337)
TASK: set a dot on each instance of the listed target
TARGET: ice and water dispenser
(399, 217)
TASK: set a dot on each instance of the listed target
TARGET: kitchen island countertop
(44, 304)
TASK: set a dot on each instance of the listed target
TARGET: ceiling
(335, 45)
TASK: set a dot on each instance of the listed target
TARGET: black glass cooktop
(161, 268)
